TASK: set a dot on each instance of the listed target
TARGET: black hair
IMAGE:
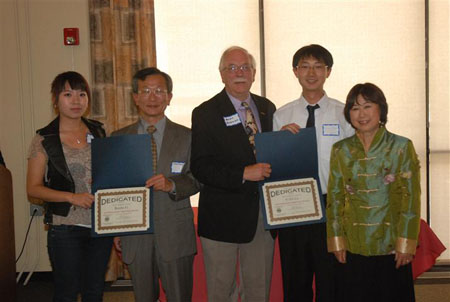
(143, 73)
(371, 93)
(315, 51)
(75, 80)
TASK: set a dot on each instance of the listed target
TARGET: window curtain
(122, 34)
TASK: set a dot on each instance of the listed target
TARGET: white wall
(32, 54)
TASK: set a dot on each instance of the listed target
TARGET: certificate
(121, 161)
(292, 194)
(120, 167)
(118, 211)
(292, 201)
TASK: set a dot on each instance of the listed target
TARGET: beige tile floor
(424, 293)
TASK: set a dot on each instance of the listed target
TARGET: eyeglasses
(158, 92)
(234, 68)
(319, 68)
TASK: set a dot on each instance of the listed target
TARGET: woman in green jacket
(373, 210)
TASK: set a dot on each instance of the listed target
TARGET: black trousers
(303, 252)
(374, 279)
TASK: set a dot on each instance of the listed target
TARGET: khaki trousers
(255, 263)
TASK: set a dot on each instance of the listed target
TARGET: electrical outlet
(39, 210)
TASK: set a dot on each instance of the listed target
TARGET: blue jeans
(79, 262)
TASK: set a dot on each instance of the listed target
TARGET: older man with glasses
(168, 254)
(230, 223)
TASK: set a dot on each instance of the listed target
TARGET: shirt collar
(323, 102)
(377, 141)
(160, 125)
(238, 103)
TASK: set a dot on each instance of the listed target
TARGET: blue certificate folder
(122, 162)
(291, 156)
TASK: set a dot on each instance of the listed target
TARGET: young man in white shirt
(303, 248)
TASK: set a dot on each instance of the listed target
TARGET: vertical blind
(190, 38)
(439, 99)
(369, 43)
(376, 41)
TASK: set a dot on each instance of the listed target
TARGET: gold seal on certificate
(122, 210)
(292, 201)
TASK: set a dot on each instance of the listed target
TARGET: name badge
(232, 120)
(89, 138)
(177, 167)
(331, 129)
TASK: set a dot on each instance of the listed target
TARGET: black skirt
(374, 278)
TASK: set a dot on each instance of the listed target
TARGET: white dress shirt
(330, 125)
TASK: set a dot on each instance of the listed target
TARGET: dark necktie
(310, 122)
(151, 130)
(250, 125)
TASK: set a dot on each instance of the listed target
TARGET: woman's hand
(402, 259)
(341, 256)
(83, 200)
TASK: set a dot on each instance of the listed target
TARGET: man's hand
(293, 128)
(257, 172)
(341, 256)
(159, 183)
(402, 259)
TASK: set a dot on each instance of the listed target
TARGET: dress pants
(79, 263)
(303, 253)
(255, 263)
(374, 279)
(148, 266)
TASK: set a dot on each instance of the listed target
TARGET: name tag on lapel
(232, 120)
(331, 130)
(177, 167)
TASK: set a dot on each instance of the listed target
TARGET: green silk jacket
(373, 204)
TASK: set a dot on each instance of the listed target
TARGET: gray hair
(229, 49)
